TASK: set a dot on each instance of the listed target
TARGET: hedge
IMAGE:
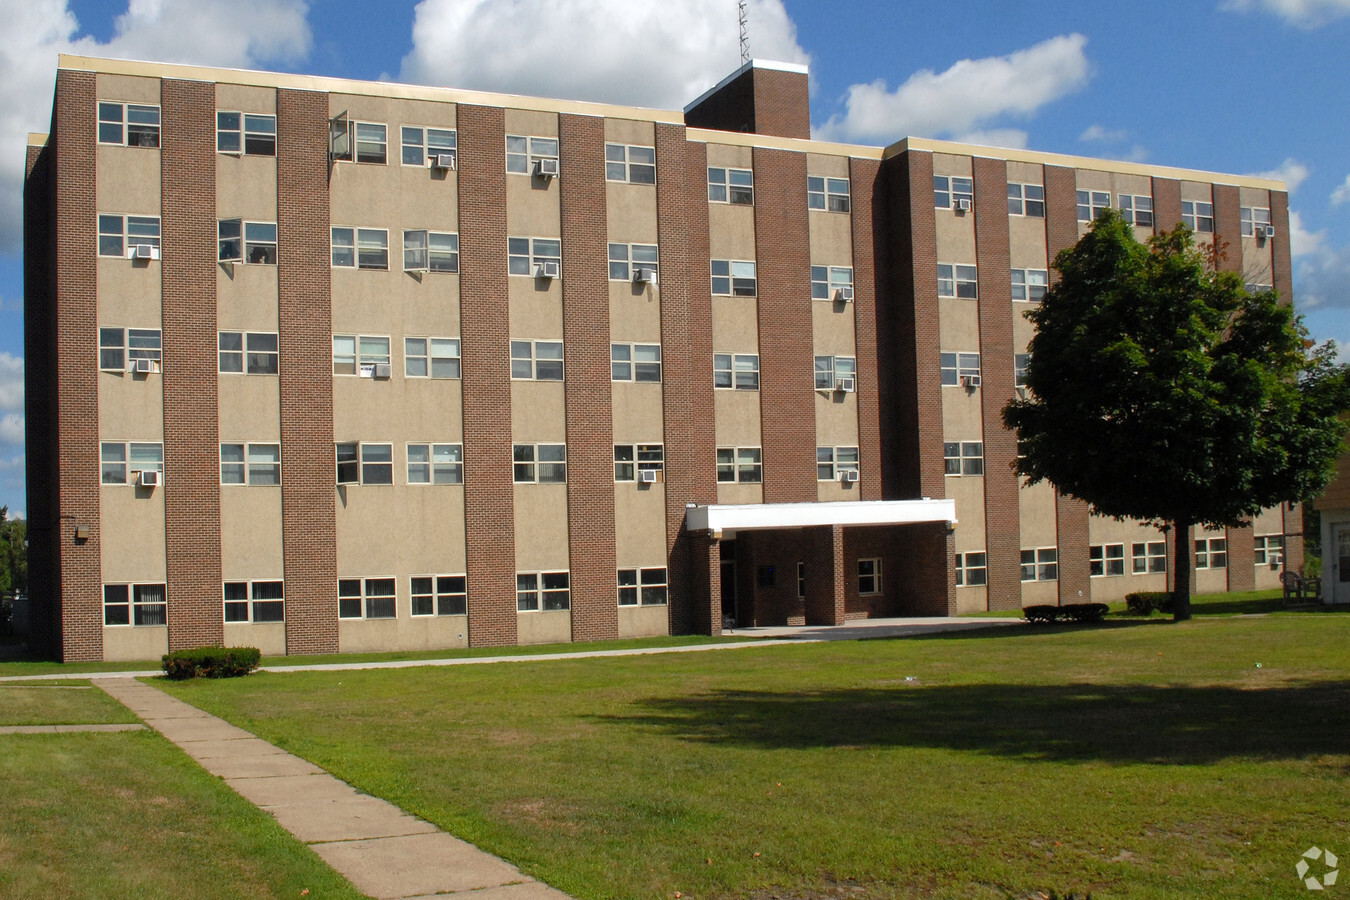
(1073, 612)
(211, 662)
(1144, 603)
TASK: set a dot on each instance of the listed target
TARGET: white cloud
(1321, 272)
(1301, 241)
(995, 137)
(1342, 193)
(11, 382)
(204, 32)
(1099, 133)
(1291, 172)
(616, 51)
(11, 428)
(1303, 13)
(966, 97)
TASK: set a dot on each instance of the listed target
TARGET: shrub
(211, 662)
(1144, 603)
(1039, 614)
(1073, 612)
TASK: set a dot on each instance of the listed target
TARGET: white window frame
(362, 360)
(734, 278)
(828, 281)
(126, 354)
(534, 593)
(744, 464)
(735, 371)
(955, 365)
(124, 125)
(126, 242)
(630, 459)
(829, 369)
(1136, 208)
(625, 364)
(948, 190)
(643, 586)
(536, 147)
(625, 259)
(970, 563)
(136, 607)
(445, 595)
(1148, 558)
(1252, 217)
(434, 353)
(1198, 215)
(258, 465)
(423, 150)
(1030, 285)
(528, 463)
(364, 466)
(958, 280)
(1106, 560)
(251, 601)
(246, 242)
(356, 141)
(254, 347)
(967, 457)
(522, 259)
(1211, 553)
(1091, 204)
(1025, 199)
(251, 134)
(525, 355)
(440, 463)
(1266, 546)
(621, 166)
(151, 460)
(831, 461)
(1040, 564)
(825, 193)
(1021, 362)
(430, 251)
(870, 573)
(366, 598)
(360, 248)
(727, 184)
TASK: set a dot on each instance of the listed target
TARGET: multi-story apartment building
(320, 365)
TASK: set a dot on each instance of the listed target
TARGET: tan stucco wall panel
(731, 231)
(535, 307)
(538, 412)
(127, 180)
(130, 406)
(638, 417)
(131, 534)
(128, 292)
(639, 524)
(246, 297)
(736, 418)
(635, 312)
(246, 187)
(541, 627)
(631, 212)
(127, 88)
(1039, 521)
(250, 409)
(269, 637)
(250, 532)
(127, 643)
(643, 621)
(541, 527)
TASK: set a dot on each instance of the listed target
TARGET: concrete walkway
(67, 729)
(379, 848)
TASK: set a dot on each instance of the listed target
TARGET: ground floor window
(1269, 549)
(254, 601)
(1040, 564)
(1211, 553)
(645, 587)
(869, 576)
(439, 595)
(972, 569)
(134, 604)
(1106, 559)
(542, 590)
(1148, 558)
(366, 598)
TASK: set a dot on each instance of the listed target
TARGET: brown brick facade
(758, 100)
(489, 518)
(1241, 559)
(192, 447)
(305, 339)
(1280, 264)
(863, 175)
(590, 417)
(1166, 204)
(1228, 226)
(786, 355)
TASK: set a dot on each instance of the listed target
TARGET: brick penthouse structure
(320, 365)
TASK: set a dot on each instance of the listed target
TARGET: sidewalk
(379, 848)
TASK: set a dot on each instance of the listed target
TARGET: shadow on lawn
(1074, 722)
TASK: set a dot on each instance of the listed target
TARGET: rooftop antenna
(745, 33)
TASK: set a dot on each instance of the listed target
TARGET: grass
(127, 814)
(1137, 759)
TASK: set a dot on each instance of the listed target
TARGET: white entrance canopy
(767, 516)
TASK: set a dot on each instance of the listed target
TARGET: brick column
(191, 433)
(1166, 204)
(686, 389)
(863, 183)
(590, 417)
(1293, 538)
(305, 339)
(786, 347)
(1241, 559)
(1280, 264)
(489, 498)
(826, 575)
(1228, 225)
(76, 343)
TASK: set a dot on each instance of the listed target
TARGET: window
(120, 462)
(957, 281)
(739, 465)
(1026, 200)
(736, 371)
(435, 464)
(128, 124)
(257, 464)
(362, 463)
(831, 462)
(1211, 553)
(368, 139)
(1030, 284)
(1199, 216)
(831, 283)
(254, 601)
(1148, 558)
(439, 595)
(361, 248)
(641, 256)
(972, 569)
(1105, 560)
(1255, 221)
(1253, 288)
(542, 590)
(534, 256)
(539, 463)
(1020, 363)
(537, 360)
(635, 362)
(955, 366)
(369, 598)
(250, 242)
(949, 191)
(1269, 549)
(736, 186)
(1092, 204)
(525, 153)
(829, 194)
(1040, 564)
(430, 251)
(642, 586)
(251, 134)
(869, 576)
(830, 369)
(801, 581)
(630, 459)
(636, 165)
(359, 354)
(963, 457)
(134, 604)
(125, 235)
(120, 348)
(422, 144)
(251, 352)
(733, 278)
(1137, 209)
(431, 357)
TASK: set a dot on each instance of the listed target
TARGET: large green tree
(1160, 389)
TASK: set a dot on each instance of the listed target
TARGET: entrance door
(1340, 577)
(728, 593)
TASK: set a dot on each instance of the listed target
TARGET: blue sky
(1241, 86)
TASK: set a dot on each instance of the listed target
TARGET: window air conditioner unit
(1021, 392)
(644, 275)
(846, 384)
(1265, 231)
(443, 161)
(366, 370)
(546, 270)
(149, 478)
(143, 366)
(383, 370)
(970, 381)
(849, 475)
(647, 476)
(144, 251)
(963, 205)
(844, 293)
(548, 168)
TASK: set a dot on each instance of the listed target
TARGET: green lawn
(111, 815)
(1139, 759)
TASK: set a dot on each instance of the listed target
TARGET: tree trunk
(1181, 595)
